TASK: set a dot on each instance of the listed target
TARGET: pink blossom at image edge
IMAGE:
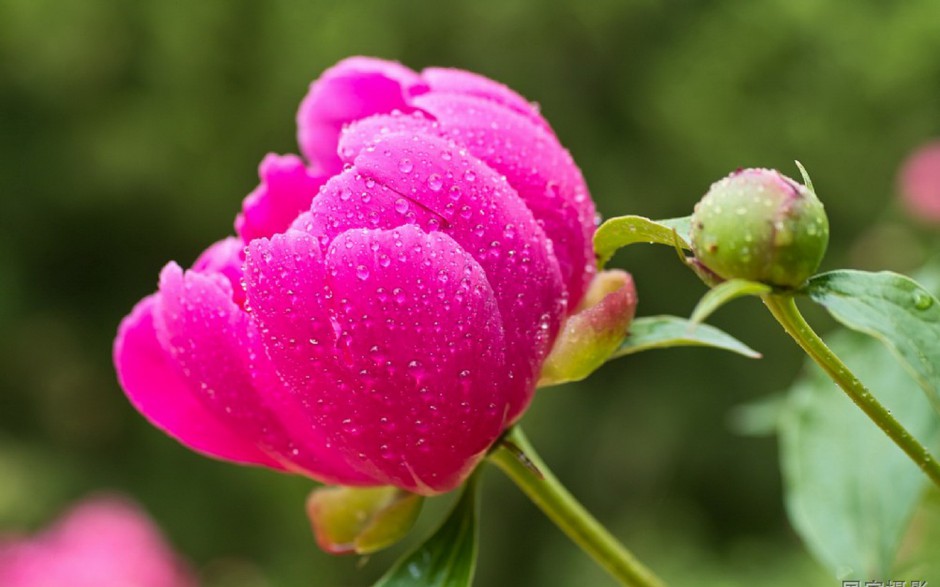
(919, 183)
(104, 541)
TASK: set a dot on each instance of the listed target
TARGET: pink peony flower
(101, 542)
(385, 310)
(919, 183)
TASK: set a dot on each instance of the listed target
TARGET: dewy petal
(363, 133)
(305, 316)
(448, 189)
(214, 343)
(286, 287)
(287, 188)
(323, 329)
(225, 257)
(420, 332)
(155, 386)
(457, 81)
(536, 165)
(352, 89)
(351, 200)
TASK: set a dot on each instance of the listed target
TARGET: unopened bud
(760, 225)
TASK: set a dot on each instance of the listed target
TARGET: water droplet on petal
(405, 165)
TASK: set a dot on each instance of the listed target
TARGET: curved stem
(783, 308)
(516, 457)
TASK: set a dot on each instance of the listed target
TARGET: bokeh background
(130, 131)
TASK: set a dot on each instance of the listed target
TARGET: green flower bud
(760, 225)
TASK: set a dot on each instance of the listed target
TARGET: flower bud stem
(784, 309)
(516, 457)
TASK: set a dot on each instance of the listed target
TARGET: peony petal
(919, 183)
(286, 286)
(420, 331)
(328, 329)
(352, 89)
(154, 385)
(351, 200)
(217, 350)
(363, 133)
(287, 188)
(536, 165)
(443, 80)
(80, 551)
(226, 257)
(456, 193)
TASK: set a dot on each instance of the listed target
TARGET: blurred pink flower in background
(385, 310)
(919, 183)
(101, 542)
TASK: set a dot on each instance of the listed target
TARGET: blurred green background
(130, 131)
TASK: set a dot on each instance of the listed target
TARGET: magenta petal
(477, 208)
(457, 81)
(351, 200)
(287, 188)
(226, 257)
(155, 386)
(287, 291)
(536, 165)
(286, 287)
(363, 133)
(420, 331)
(352, 89)
(216, 347)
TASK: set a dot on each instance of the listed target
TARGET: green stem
(516, 457)
(784, 309)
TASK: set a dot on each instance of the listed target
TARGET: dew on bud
(760, 225)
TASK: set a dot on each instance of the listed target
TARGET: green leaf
(683, 227)
(850, 492)
(892, 308)
(660, 332)
(361, 520)
(448, 557)
(619, 232)
(918, 557)
(723, 293)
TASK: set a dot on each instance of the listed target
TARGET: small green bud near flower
(760, 225)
